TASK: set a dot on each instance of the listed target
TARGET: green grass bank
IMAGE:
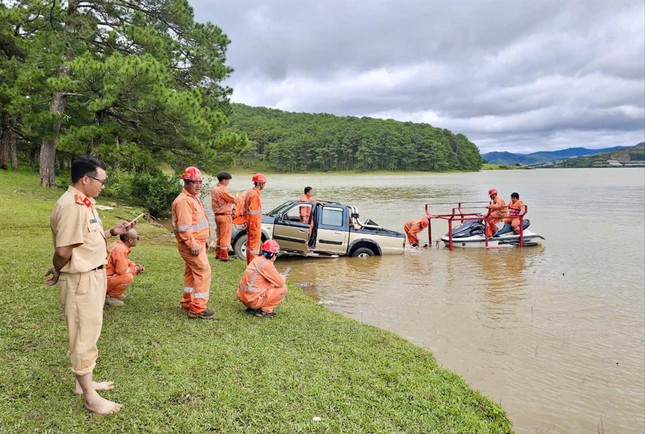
(236, 373)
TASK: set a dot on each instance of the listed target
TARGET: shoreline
(235, 373)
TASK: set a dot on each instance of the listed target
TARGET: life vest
(239, 212)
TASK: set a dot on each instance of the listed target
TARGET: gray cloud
(513, 75)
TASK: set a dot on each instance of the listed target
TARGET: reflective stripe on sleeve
(255, 252)
(255, 212)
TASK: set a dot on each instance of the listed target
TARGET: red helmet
(271, 246)
(192, 174)
(425, 222)
(492, 191)
(259, 177)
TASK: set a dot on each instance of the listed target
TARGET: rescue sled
(468, 230)
(472, 234)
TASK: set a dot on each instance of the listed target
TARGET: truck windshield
(280, 209)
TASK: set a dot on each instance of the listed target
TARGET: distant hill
(510, 158)
(299, 142)
(633, 156)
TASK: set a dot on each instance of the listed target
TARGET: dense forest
(295, 142)
(134, 83)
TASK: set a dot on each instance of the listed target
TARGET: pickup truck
(336, 230)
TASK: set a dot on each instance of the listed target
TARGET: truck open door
(332, 229)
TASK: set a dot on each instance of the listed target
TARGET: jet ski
(471, 234)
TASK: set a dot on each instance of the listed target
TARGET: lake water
(555, 334)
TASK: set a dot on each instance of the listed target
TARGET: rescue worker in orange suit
(120, 269)
(262, 288)
(223, 201)
(497, 211)
(192, 231)
(253, 211)
(305, 211)
(413, 227)
(515, 210)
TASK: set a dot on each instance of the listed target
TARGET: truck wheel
(240, 247)
(363, 252)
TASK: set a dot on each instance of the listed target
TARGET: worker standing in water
(222, 202)
(497, 211)
(253, 212)
(413, 227)
(515, 210)
(305, 211)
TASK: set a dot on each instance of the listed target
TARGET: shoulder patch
(82, 200)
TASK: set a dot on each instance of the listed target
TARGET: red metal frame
(459, 214)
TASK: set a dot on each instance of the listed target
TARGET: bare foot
(103, 385)
(97, 404)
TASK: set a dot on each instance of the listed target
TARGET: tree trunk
(13, 151)
(57, 107)
(48, 148)
(4, 140)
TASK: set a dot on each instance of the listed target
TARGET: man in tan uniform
(79, 269)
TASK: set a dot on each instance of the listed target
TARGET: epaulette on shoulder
(82, 200)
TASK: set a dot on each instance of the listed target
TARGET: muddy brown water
(555, 334)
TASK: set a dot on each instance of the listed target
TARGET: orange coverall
(120, 269)
(305, 211)
(261, 286)
(498, 211)
(515, 209)
(411, 229)
(191, 229)
(222, 202)
(253, 210)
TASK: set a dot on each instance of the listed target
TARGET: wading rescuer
(120, 269)
(262, 288)
(498, 211)
(413, 227)
(515, 210)
(192, 232)
(222, 202)
(305, 211)
(253, 212)
(80, 245)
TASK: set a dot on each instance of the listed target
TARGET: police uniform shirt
(75, 221)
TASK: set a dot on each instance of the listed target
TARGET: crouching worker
(413, 227)
(120, 269)
(262, 288)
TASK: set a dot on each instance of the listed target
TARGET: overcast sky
(516, 75)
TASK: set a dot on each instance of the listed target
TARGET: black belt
(100, 267)
(226, 213)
